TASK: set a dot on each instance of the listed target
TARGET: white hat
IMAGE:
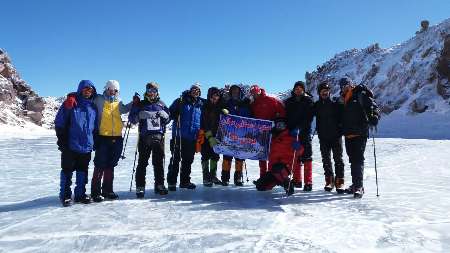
(112, 85)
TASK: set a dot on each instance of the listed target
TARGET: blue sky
(54, 44)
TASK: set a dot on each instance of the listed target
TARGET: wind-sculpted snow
(411, 214)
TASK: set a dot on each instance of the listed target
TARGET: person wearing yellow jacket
(109, 141)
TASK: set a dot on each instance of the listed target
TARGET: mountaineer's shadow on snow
(237, 198)
(49, 201)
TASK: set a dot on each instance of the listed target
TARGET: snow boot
(65, 193)
(161, 189)
(188, 185)
(213, 170)
(307, 188)
(226, 167)
(350, 189)
(80, 188)
(140, 192)
(97, 198)
(339, 184)
(358, 193)
(238, 177)
(329, 183)
(206, 175)
(110, 196)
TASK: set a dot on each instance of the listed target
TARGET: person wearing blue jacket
(153, 116)
(186, 114)
(76, 128)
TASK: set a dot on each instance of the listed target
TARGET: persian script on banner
(243, 138)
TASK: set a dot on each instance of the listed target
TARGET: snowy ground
(411, 215)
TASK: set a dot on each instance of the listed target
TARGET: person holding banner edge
(235, 105)
(265, 107)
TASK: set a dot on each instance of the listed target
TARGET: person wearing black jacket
(299, 110)
(209, 123)
(328, 115)
(359, 111)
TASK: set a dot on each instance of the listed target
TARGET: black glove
(62, 141)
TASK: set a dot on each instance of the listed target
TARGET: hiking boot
(359, 192)
(188, 185)
(339, 184)
(161, 189)
(350, 189)
(110, 196)
(172, 187)
(207, 183)
(140, 192)
(97, 198)
(307, 187)
(329, 183)
(225, 177)
(216, 181)
(66, 202)
(238, 179)
(84, 199)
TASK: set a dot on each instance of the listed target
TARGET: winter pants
(174, 164)
(355, 148)
(107, 155)
(262, 168)
(186, 154)
(335, 146)
(208, 152)
(72, 161)
(148, 144)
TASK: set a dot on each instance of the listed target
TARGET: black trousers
(355, 148)
(150, 145)
(208, 152)
(72, 161)
(185, 152)
(335, 146)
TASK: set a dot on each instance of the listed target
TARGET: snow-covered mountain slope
(412, 77)
(411, 214)
(19, 104)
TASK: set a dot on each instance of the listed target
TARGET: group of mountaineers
(88, 121)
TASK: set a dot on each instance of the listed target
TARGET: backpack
(369, 105)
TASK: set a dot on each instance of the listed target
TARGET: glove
(212, 141)
(225, 111)
(294, 132)
(62, 139)
(296, 145)
(208, 134)
(70, 102)
(136, 100)
(162, 114)
(200, 140)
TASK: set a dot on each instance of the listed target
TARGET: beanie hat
(299, 83)
(196, 85)
(344, 82)
(112, 85)
(255, 89)
(153, 85)
(323, 86)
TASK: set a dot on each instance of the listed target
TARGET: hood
(241, 93)
(86, 83)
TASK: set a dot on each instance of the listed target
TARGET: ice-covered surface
(411, 215)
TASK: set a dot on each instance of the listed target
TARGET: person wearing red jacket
(267, 108)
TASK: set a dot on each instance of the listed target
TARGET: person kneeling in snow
(280, 159)
(153, 116)
(76, 126)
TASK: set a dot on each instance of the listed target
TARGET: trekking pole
(128, 127)
(134, 163)
(375, 159)
(292, 168)
(246, 175)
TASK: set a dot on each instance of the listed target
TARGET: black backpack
(370, 107)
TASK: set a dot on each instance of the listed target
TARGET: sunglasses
(152, 90)
(87, 89)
